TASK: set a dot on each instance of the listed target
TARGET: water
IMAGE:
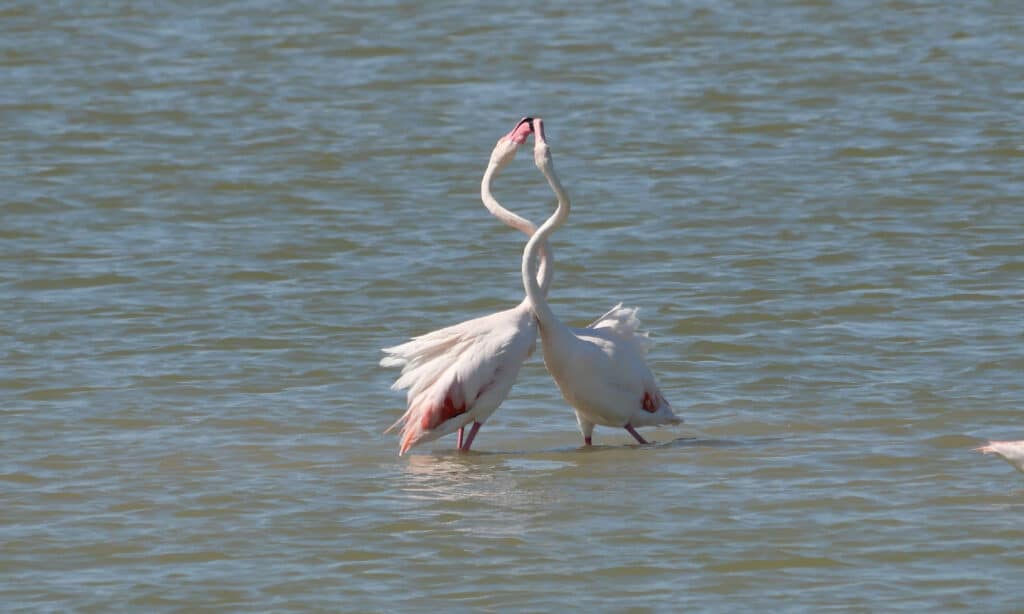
(215, 215)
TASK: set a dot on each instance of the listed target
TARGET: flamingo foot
(469, 438)
(458, 442)
(632, 431)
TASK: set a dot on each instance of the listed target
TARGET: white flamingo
(601, 369)
(1010, 451)
(461, 374)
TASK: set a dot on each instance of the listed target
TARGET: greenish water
(215, 215)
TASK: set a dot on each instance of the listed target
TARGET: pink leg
(587, 441)
(632, 431)
(471, 436)
(458, 442)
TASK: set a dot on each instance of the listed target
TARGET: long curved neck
(518, 222)
(541, 309)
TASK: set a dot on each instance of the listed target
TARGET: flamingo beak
(538, 130)
(522, 130)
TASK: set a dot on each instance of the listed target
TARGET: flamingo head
(541, 155)
(505, 149)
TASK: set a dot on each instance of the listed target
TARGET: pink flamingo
(461, 374)
(601, 369)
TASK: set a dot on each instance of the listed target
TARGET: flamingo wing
(626, 389)
(460, 376)
(625, 323)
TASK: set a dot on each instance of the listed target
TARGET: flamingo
(460, 375)
(602, 369)
(1010, 451)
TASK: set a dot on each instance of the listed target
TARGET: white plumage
(601, 369)
(461, 374)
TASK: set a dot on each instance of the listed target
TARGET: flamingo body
(460, 374)
(602, 372)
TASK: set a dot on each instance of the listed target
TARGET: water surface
(214, 216)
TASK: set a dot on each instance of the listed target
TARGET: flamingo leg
(471, 436)
(587, 441)
(632, 431)
(458, 442)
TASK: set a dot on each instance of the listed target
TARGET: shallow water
(215, 216)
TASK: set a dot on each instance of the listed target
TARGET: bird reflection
(447, 476)
(478, 489)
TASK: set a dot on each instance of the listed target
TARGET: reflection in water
(716, 443)
(447, 477)
(510, 498)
